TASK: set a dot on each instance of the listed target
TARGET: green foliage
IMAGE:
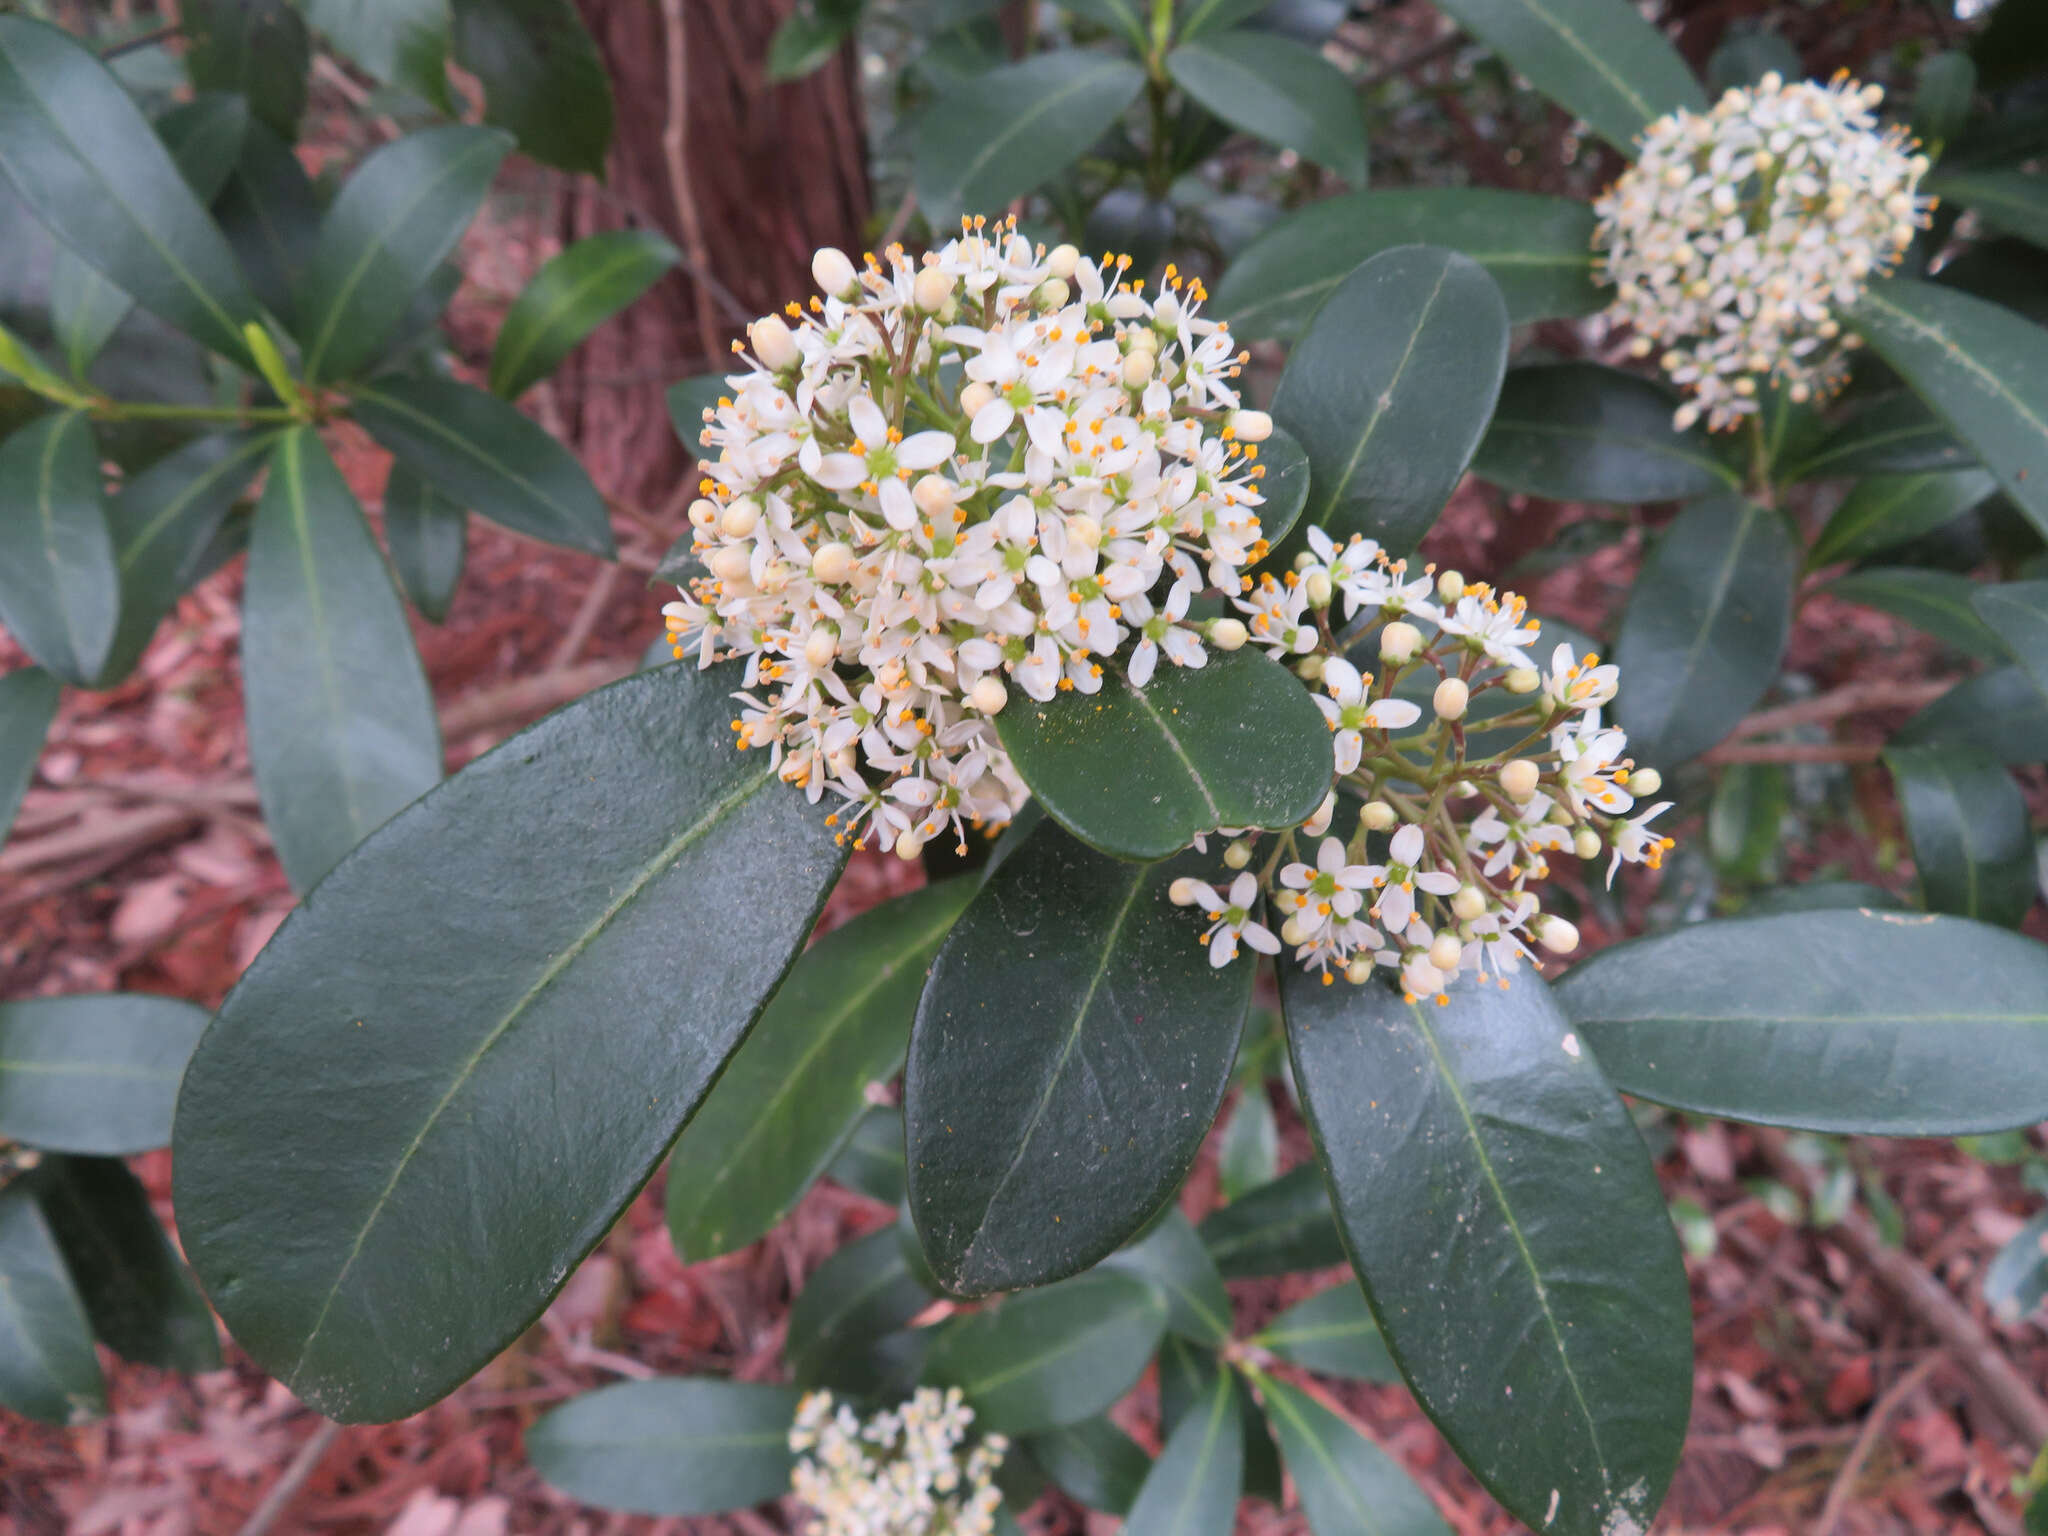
(48, 1370)
(1582, 432)
(1972, 844)
(570, 297)
(60, 588)
(669, 1446)
(94, 1073)
(1277, 90)
(28, 703)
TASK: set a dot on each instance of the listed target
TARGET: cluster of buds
(907, 1471)
(1739, 232)
(993, 467)
(1442, 845)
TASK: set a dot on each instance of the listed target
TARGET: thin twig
(587, 614)
(136, 44)
(1873, 1426)
(1794, 752)
(286, 1488)
(675, 146)
(1850, 699)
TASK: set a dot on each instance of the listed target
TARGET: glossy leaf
(1972, 843)
(85, 309)
(1069, 1053)
(863, 1292)
(808, 37)
(1052, 1356)
(137, 1292)
(1093, 1462)
(583, 874)
(2000, 710)
(569, 298)
(1583, 432)
(258, 49)
(271, 217)
(1982, 368)
(542, 75)
(1390, 391)
(1198, 17)
(60, 589)
(1746, 819)
(204, 137)
(402, 43)
(671, 1445)
(1278, 90)
(427, 533)
(48, 1370)
(2017, 612)
(94, 1072)
(1884, 511)
(1187, 1374)
(1287, 1225)
(1499, 1207)
(1894, 434)
(1705, 627)
(395, 220)
(1141, 772)
(1937, 602)
(80, 153)
(1839, 1021)
(1195, 1484)
(797, 1087)
(1821, 896)
(871, 1161)
(1941, 101)
(342, 730)
(1345, 1482)
(1538, 249)
(1249, 1153)
(1598, 59)
(1284, 484)
(1015, 127)
(483, 453)
(1332, 1334)
(28, 703)
(2016, 1280)
(1172, 1257)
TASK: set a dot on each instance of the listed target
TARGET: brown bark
(746, 178)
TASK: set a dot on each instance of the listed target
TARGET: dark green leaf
(395, 221)
(672, 1445)
(271, 217)
(1821, 896)
(342, 730)
(1284, 485)
(1005, 132)
(2001, 711)
(48, 1370)
(483, 453)
(1941, 104)
(1094, 1462)
(871, 1162)
(403, 43)
(588, 869)
(2016, 1282)
(1837, 1021)
(258, 48)
(1142, 772)
(428, 535)
(2017, 612)
(1333, 1334)
(1052, 1356)
(1937, 602)
(1187, 1374)
(93, 1073)
(1499, 1207)
(1538, 249)
(569, 298)
(78, 150)
(28, 703)
(1745, 819)
(85, 309)
(1198, 17)
(1983, 369)
(1131, 18)
(1705, 627)
(1746, 55)
(1249, 1154)
(1892, 434)
(1346, 1483)
(543, 78)
(1285, 1226)
(1172, 1257)
(1194, 1487)
(1391, 389)
(1583, 432)
(1598, 59)
(861, 1293)
(798, 1086)
(1070, 1050)
(137, 1293)
(807, 38)
(1972, 844)
(1278, 90)
(688, 400)
(60, 589)
(1885, 511)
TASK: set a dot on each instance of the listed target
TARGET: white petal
(1391, 714)
(869, 424)
(840, 471)
(924, 450)
(1406, 845)
(992, 420)
(1260, 938)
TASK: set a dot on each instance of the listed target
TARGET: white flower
(1499, 625)
(1580, 684)
(905, 1471)
(1232, 920)
(1350, 712)
(1634, 843)
(1402, 876)
(1588, 762)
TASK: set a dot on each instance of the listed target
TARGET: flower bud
(703, 513)
(1523, 680)
(989, 696)
(832, 562)
(1062, 261)
(1182, 892)
(1377, 815)
(1586, 843)
(1291, 932)
(1237, 855)
(1450, 698)
(773, 343)
(1144, 338)
(1319, 589)
(1138, 369)
(1519, 778)
(1399, 642)
(1470, 902)
(730, 563)
(934, 495)
(1319, 823)
(908, 846)
(740, 518)
(1306, 560)
(1557, 935)
(1359, 971)
(975, 396)
(820, 648)
(1420, 977)
(1228, 634)
(834, 273)
(933, 287)
(1450, 586)
(1251, 426)
(1310, 668)
(1645, 782)
(1053, 293)
(1445, 951)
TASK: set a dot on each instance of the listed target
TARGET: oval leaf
(258, 49)
(1094, 1462)
(1845, 1022)
(1508, 1227)
(2015, 201)
(1705, 627)
(28, 703)
(427, 533)
(544, 1011)
(1277, 90)
(862, 1293)
(1346, 1483)
(1936, 602)
(96, 1072)
(1972, 843)
(342, 730)
(1893, 434)
(871, 1162)
(60, 588)
(1195, 1484)
(1172, 1257)
(1286, 1225)
(1142, 772)
(393, 223)
(569, 298)
(2017, 612)
(797, 1088)
(403, 43)
(48, 1370)
(1283, 483)
(670, 1446)
(1005, 132)
(542, 75)
(1582, 432)
(1885, 511)
(483, 453)
(2001, 711)
(1331, 1333)
(1069, 1053)
(271, 217)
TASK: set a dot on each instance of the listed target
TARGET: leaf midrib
(1383, 405)
(514, 361)
(427, 422)
(1102, 1322)
(1648, 445)
(1020, 124)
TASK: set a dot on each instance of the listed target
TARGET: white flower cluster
(1464, 837)
(1738, 232)
(995, 465)
(899, 1473)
